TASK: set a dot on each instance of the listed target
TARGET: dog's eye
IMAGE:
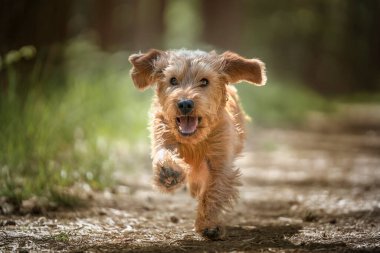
(204, 82)
(173, 81)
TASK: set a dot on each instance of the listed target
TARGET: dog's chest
(194, 154)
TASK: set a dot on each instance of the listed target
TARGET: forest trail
(302, 192)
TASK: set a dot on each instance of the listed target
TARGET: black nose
(186, 106)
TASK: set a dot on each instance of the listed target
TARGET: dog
(197, 125)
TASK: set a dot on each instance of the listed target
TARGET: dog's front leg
(169, 169)
(219, 195)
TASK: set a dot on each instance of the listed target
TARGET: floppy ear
(145, 68)
(238, 68)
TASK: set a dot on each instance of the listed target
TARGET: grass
(61, 132)
(361, 98)
(280, 104)
(62, 237)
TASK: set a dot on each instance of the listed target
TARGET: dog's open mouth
(187, 125)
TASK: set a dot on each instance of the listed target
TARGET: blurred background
(69, 113)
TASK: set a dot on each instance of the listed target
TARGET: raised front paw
(169, 177)
(169, 171)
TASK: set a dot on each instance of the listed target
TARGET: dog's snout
(186, 106)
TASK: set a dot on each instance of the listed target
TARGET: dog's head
(191, 86)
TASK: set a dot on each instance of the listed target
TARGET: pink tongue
(187, 124)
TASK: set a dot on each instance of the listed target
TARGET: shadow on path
(261, 238)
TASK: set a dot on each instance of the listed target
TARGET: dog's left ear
(146, 68)
(238, 68)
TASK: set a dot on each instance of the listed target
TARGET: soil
(302, 192)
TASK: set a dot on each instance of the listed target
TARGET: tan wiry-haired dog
(197, 125)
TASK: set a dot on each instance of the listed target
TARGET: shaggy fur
(197, 145)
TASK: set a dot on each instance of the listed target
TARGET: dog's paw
(169, 177)
(211, 230)
(214, 233)
(169, 171)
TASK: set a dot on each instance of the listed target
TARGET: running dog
(197, 125)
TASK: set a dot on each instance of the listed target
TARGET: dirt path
(302, 192)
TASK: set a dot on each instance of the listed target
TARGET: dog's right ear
(146, 67)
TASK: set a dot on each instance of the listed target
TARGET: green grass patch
(62, 237)
(360, 98)
(281, 104)
(62, 131)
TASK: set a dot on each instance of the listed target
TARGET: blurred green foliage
(280, 104)
(58, 137)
